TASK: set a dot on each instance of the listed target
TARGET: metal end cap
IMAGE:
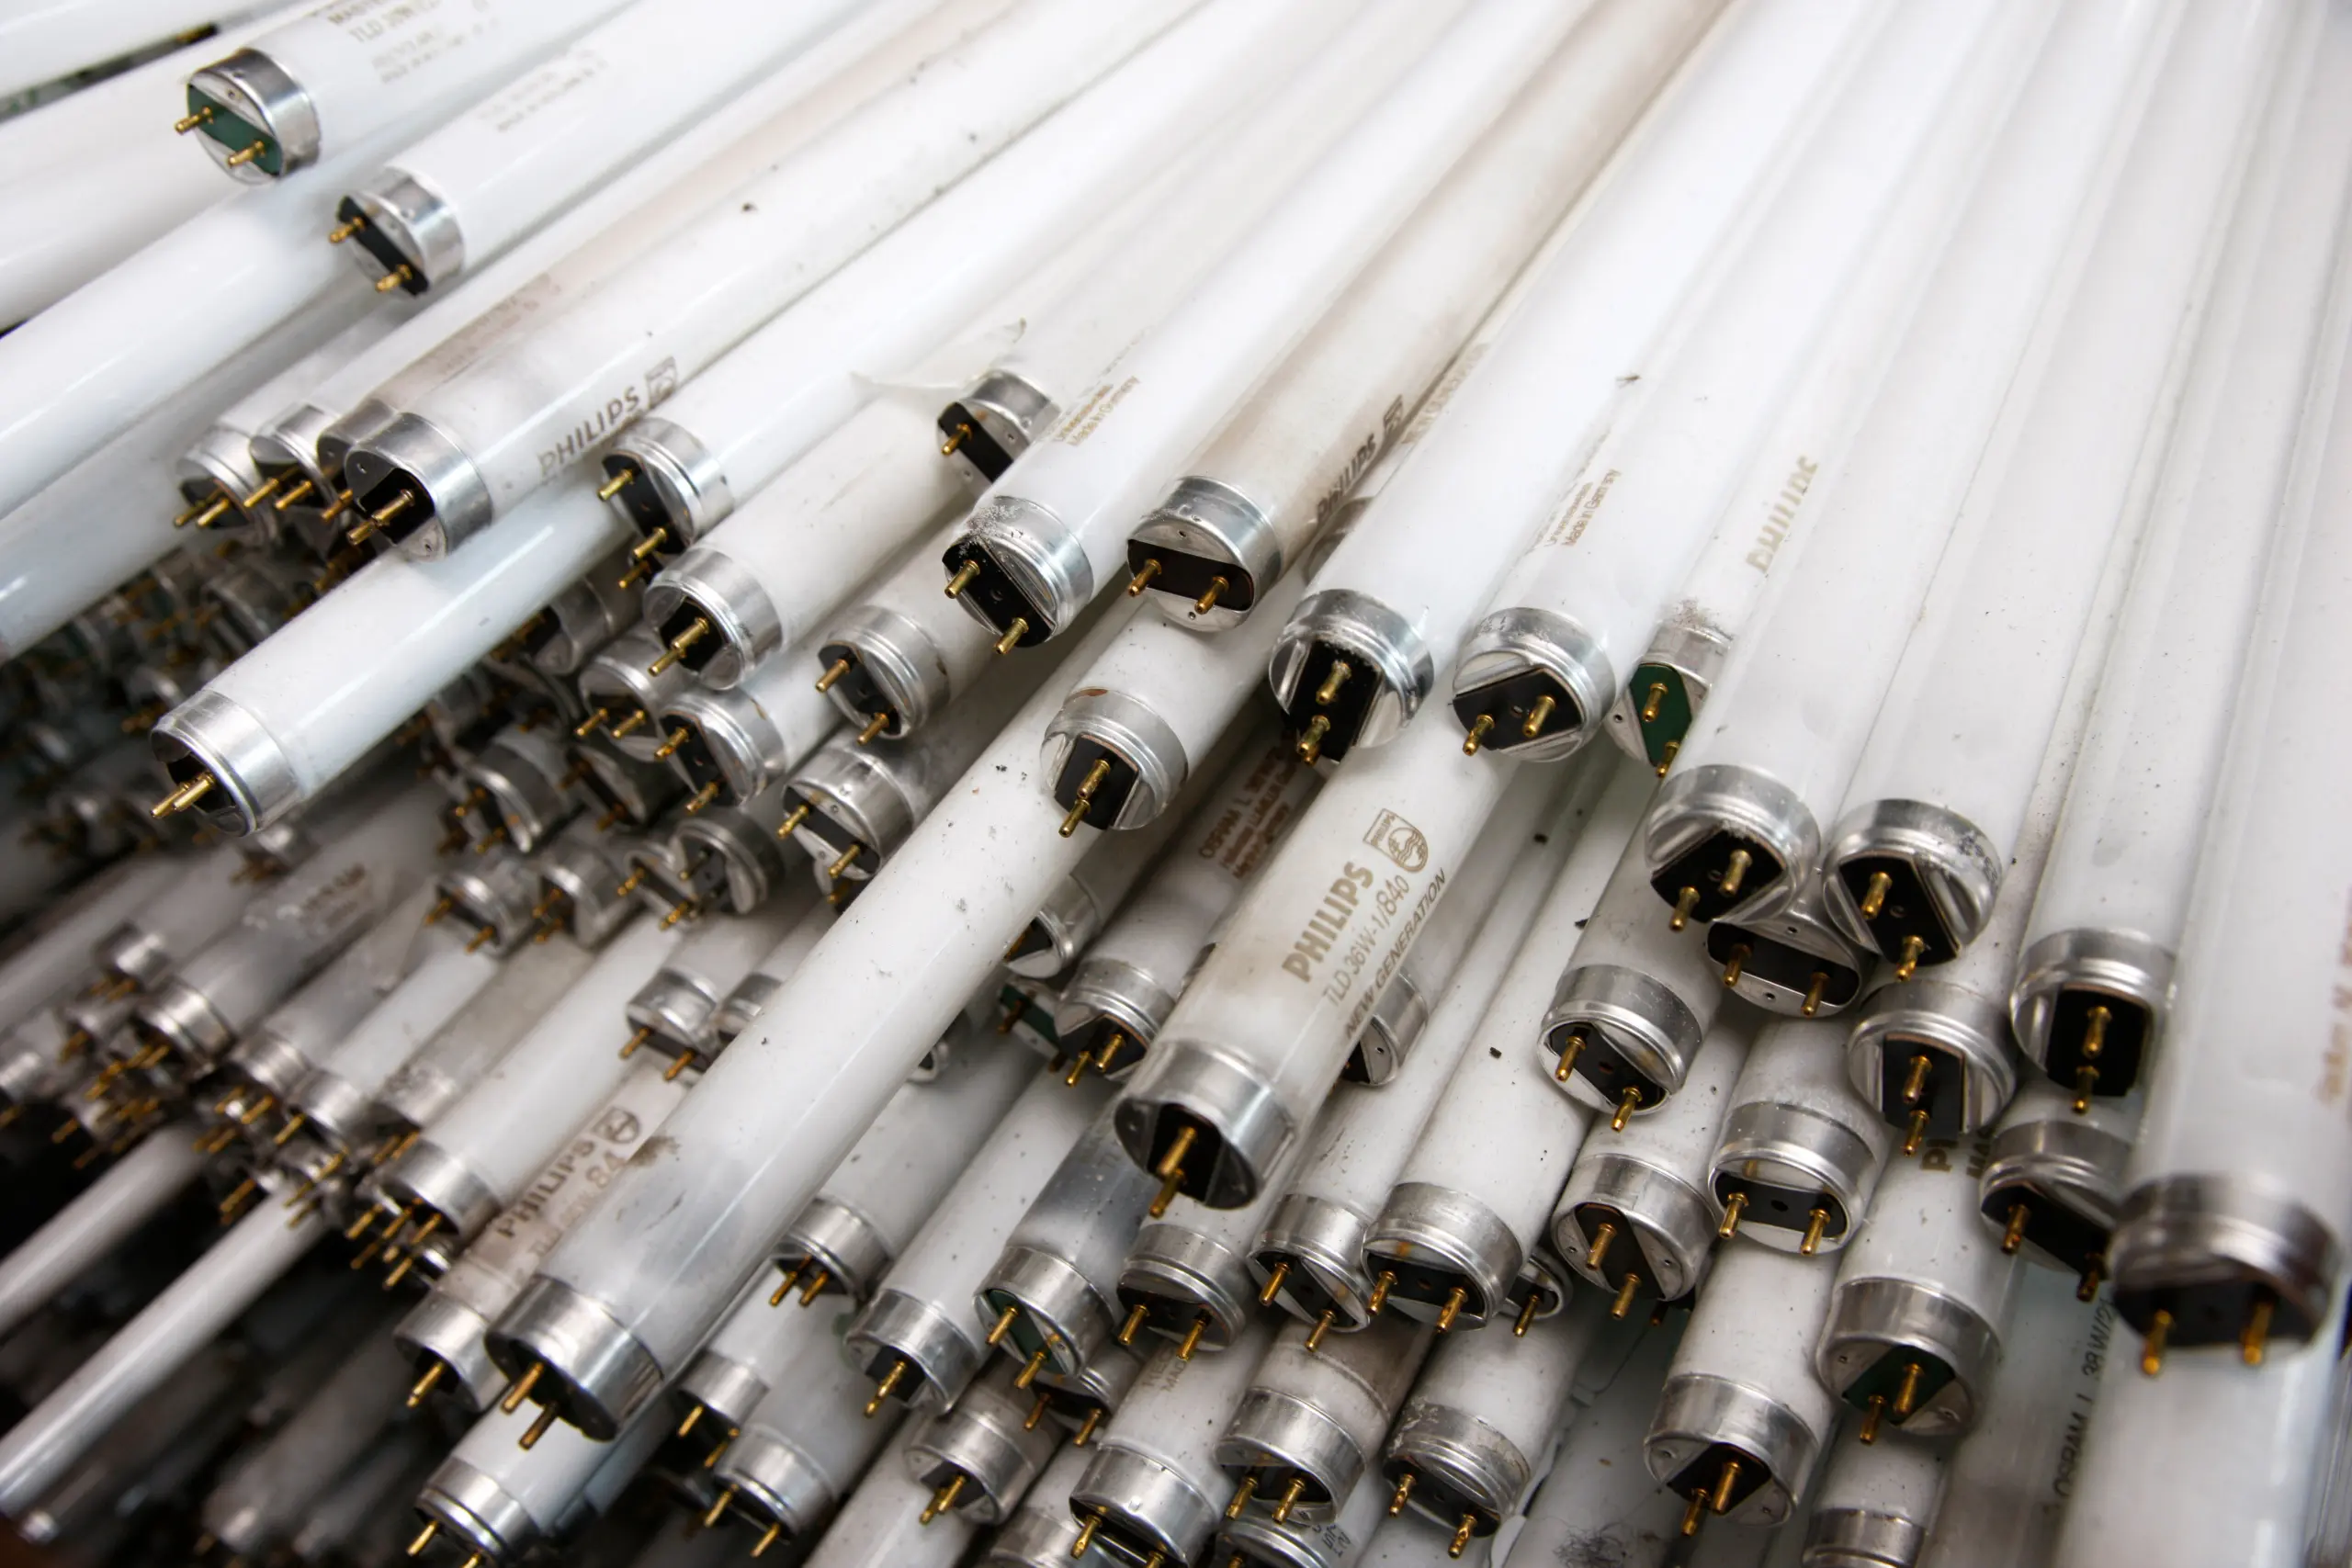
(2121, 963)
(1038, 554)
(451, 1333)
(1398, 1016)
(680, 484)
(1272, 1430)
(1111, 990)
(1174, 1263)
(2193, 1243)
(1212, 521)
(1516, 642)
(606, 1374)
(1424, 1227)
(1858, 1537)
(899, 666)
(1242, 1126)
(1460, 1464)
(1384, 645)
(726, 1388)
(986, 1439)
(779, 1479)
(1322, 1242)
(2071, 1161)
(745, 627)
(258, 90)
(1954, 1020)
(1008, 410)
(183, 1018)
(1146, 1507)
(1132, 732)
(254, 779)
(414, 451)
(1871, 1319)
(939, 1350)
(1061, 1312)
(1692, 807)
(852, 1253)
(1697, 1411)
(1643, 1021)
(1801, 1149)
(1673, 1222)
(477, 1510)
(1958, 866)
(416, 222)
(430, 1176)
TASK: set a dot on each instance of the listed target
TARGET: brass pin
(1037, 1408)
(1310, 743)
(1527, 1310)
(203, 515)
(403, 274)
(719, 1509)
(1191, 1340)
(1461, 1541)
(424, 1386)
(2255, 1338)
(963, 579)
(1908, 964)
(873, 727)
(2085, 1079)
(2095, 1024)
(1274, 1285)
(682, 910)
(1813, 993)
(1133, 1325)
(183, 798)
(1086, 1428)
(1381, 1286)
(2089, 1286)
(1624, 1301)
(632, 723)
(833, 673)
(1737, 962)
(364, 1223)
(1086, 1533)
(522, 1388)
(1012, 634)
(887, 1386)
(1684, 902)
(286, 1134)
(237, 1196)
(592, 722)
(183, 126)
(423, 1538)
(1477, 736)
(767, 1538)
(1907, 1393)
(1627, 1104)
(791, 1278)
(612, 487)
(843, 861)
(1030, 1369)
(1695, 1512)
(1446, 1315)
(1207, 602)
(1871, 1418)
(1815, 1225)
(259, 1109)
(815, 1287)
(1726, 1481)
(1874, 894)
(1736, 872)
(1398, 1498)
(686, 1060)
(1537, 717)
(702, 798)
(1599, 1248)
(343, 232)
(268, 488)
(1242, 1495)
(247, 153)
(1083, 801)
(1733, 1206)
(1171, 1169)
(696, 631)
(1004, 1325)
(1569, 1051)
(1653, 702)
(1915, 1132)
(483, 937)
(1915, 1083)
(1142, 579)
(944, 1498)
(1291, 1495)
(963, 433)
(631, 882)
(1322, 1327)
(1333, 679)
(2013, 1236)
